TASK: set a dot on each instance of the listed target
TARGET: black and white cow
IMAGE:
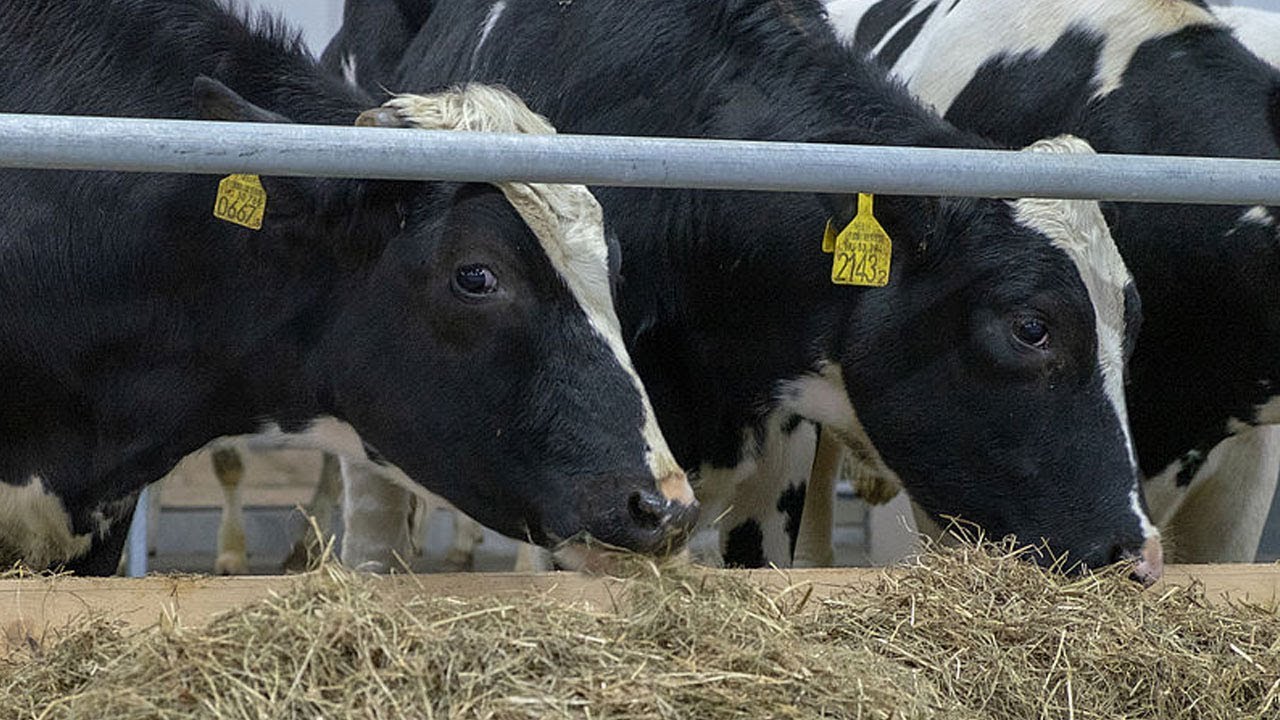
(987, 374)
(475, 351)
(371, 40)
(1136, 76)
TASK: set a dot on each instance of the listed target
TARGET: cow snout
(658, 524)
(1148, 563)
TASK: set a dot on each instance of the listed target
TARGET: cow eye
(475, 280)
(1032, 332)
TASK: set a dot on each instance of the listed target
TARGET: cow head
(989, 373)
(477, 349)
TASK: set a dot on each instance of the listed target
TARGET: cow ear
(840, 209)
(355, 216)
(215, 101)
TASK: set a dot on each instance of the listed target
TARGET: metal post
(125, 144)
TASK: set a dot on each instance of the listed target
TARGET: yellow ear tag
(862, 250)
(241, 200)
(829, 238)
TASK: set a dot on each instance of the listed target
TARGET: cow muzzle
(1148, 564)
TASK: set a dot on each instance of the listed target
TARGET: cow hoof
(231, 564)
(875, 489)
(459, 559)
(376, 567)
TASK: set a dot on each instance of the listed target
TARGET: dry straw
(961, 633)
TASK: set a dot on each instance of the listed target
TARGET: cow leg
(105, 550)
(815, 546)
(467, 533)
(319, 511)
(228, 466)
(1222, 513)
(763, 524)
(376, 518)
(531, 558)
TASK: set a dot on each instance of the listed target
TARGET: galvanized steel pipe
(137, 145)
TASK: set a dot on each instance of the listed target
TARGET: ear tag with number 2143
(862, 251)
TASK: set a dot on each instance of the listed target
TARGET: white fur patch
(349, 70)
(1220, 515)
(939, 64)
(1259, 215)
(566, 219)
(822, 398)
(490, 21)
(1077, 228)
(35, 527)
(1269, 412)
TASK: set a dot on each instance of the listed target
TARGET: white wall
(1272, 5)
(318, 19)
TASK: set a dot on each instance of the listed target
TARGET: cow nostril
(647, 509)
(1147, 560)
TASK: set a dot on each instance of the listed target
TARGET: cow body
(727, 301)
(1133, 76)
(475, 353)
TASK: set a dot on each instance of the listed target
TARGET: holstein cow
(465, 331)
(1137, 76)
(986, 373)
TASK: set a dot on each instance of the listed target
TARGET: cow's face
(469, 361)
(483, 356)
(990, 373)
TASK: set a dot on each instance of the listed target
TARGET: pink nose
(1149, 567)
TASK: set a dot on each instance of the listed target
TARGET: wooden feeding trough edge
(29, 606)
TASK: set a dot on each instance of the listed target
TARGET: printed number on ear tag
(862, 250)
(241, 200)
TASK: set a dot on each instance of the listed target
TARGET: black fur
(726, 295)
(791, 504)
(903, 38)
(137, 327)
(743, 547)
(878, 21)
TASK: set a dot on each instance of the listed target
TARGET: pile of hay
(961, 634)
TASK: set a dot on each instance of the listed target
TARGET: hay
(962, 633)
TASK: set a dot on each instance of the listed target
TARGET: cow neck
(191, 330)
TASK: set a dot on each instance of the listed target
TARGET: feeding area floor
(957, 633)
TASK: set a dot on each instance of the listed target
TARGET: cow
(987, 372)
(465, 332)
(1135, 76)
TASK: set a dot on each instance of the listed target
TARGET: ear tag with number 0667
(241, 200)
(862, 251)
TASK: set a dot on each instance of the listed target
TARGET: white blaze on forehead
(1078, 229)
(35, 527)
(566, 219)
(940, 63)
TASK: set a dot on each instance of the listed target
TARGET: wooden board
(33, 606)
